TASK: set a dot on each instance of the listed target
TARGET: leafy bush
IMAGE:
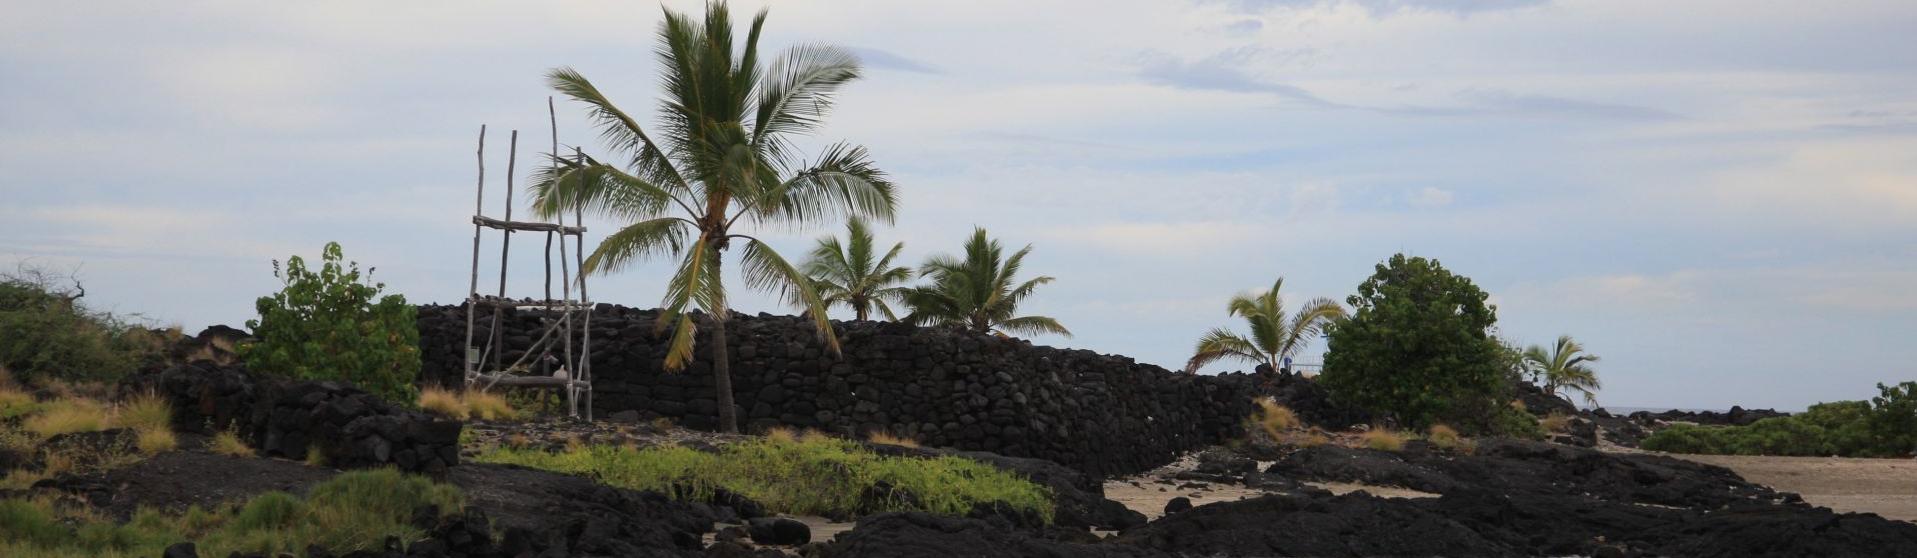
(1893, 418)
(46, 333)
(808, 473)
(1886, 426)
(328, 325)
(352, 511)
(1418, 347)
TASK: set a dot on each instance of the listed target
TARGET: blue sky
(1718, 197)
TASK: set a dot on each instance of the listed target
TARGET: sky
(1719, 197)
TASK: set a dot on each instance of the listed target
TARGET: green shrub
(47, 334)
(1418, 347)
(812, 475)
(328, 325)
(1882, 427)
(1893, 418)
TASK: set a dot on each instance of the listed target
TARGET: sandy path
(1148, 493)
(1886, 487)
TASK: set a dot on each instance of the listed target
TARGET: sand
(1887, 487)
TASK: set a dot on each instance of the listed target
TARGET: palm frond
(765, 270)
(637, 241)
(1222, 343)
(1033, 325)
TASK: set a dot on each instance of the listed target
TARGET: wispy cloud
(876, 58)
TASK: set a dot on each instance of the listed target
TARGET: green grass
(813, 475)
(352, 511)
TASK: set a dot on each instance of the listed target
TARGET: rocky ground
(1504, 498)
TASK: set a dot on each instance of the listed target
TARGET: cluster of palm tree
(979, 291)
(723, 161)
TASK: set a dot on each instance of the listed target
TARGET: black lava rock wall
(350, 427)
(1100, 414)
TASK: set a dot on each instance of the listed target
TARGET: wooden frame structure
(564, 318)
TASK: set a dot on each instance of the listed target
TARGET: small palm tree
(977, 293)
(1274, 336)
(1564, 369)
(723, 160)
(845, 273)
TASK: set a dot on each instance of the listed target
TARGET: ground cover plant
(1886, 426)
(329, 324)
(352, 511)
(808, 474)
(32, 427)
(466, 404)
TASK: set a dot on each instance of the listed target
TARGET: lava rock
(778, 531)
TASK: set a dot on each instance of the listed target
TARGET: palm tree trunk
(861, 307)
(722, 375)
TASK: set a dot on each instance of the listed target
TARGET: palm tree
(722, 160)
(845, 273)
(977, 293)
(1564, 368)
(1274, 336)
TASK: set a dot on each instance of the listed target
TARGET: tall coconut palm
(721, 160)
(846, 273)
(1274, 335)
(1564, 368)
(978, 292)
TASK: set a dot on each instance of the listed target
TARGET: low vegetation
(1447, 438)
(329, 324)
(352, 511)
(228, 443)
(1384, 439)
(466, 404)
(808, 474)
(883, 438)
(1885, 426)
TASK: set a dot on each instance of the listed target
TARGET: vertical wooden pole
(505, 247)
(585, 303)
(565, 294)
(472, 291)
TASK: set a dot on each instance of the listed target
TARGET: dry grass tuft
(487, 406)
(20, 479)
(781, 434)
(466, 405)
(1312, 439)
(315, 456)
(441, 401)
(1556, 423)
(147, 412)
(1447, 438)
(228, 443)
(154, 442)
(1383, 439)
(67, 416)
(887, 439)
(1273, 418)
